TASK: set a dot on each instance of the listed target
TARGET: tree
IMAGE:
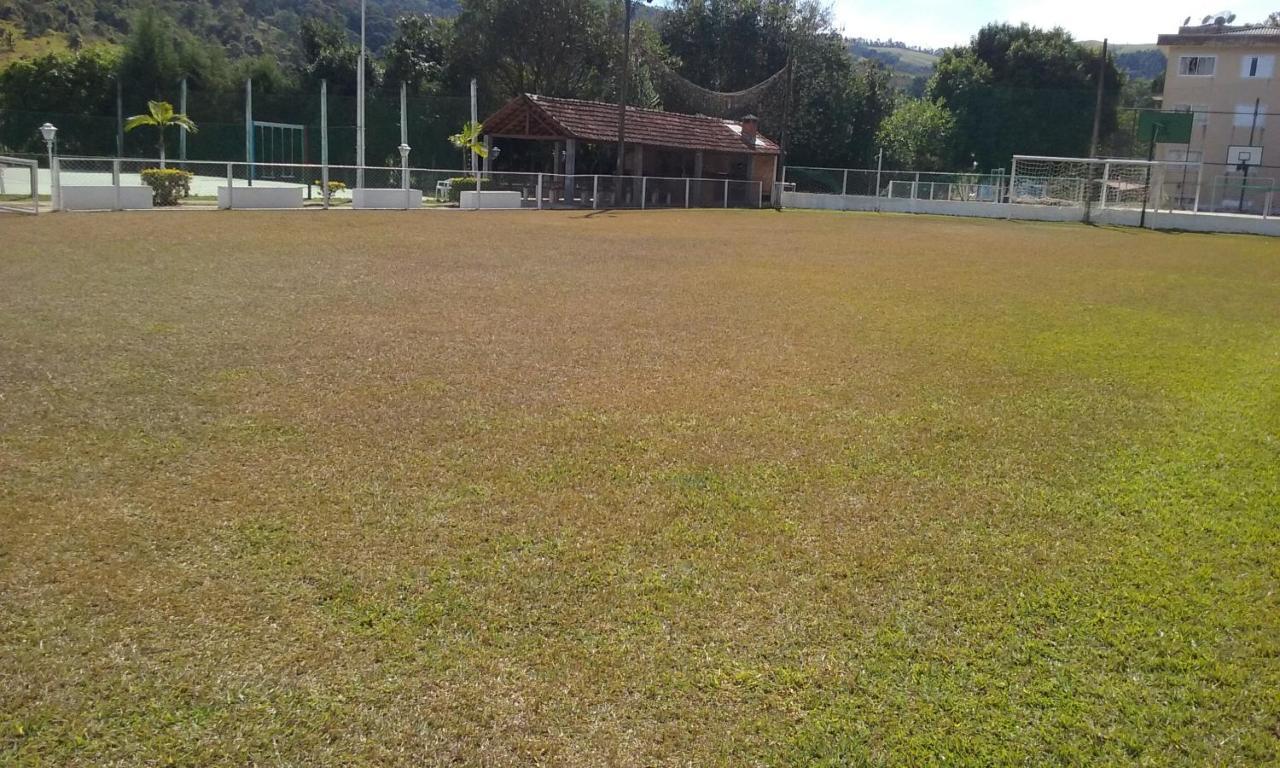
(328, 54)
(160, 115)
(729, 45)
(1022, 90)
(151, 64)
(70, 89)
(552, 47)
(469, 141)
(918, 135)
(418, 53)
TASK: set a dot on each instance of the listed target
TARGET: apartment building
(1227, 76)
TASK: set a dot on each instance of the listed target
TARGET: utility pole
(1097, 130)
(1097, 108)
(1253, 129)
(622, 93)
(360, 103)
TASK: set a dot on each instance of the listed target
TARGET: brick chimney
(749, 125)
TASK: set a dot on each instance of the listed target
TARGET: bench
(76, 197)
(260, 197)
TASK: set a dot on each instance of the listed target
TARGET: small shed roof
(544, 117)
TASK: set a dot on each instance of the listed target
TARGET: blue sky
(939, 23)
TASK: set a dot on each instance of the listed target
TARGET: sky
(941, 23)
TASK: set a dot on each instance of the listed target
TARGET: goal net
(1064, 181)
(19, 185)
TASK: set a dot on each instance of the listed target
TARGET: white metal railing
(223, 184)
(880, 182)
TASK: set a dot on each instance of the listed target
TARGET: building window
(1197, 66)
(1257, 66)
(1200, 112)
(1244, 116)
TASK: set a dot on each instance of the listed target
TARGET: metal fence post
(644, 183)
(760, 193)
(726, 193)
(915, 186)
(539, 191)
(35, 188)
(686, 192)
(231, 186)
(595, 192)
(55, 184)
(1199, 178)
(844, 183)
(115, 180)
(1106, 183)
(1266, 210)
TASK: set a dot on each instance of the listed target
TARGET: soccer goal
(19, 185)
(277, 147)
(1117, 183)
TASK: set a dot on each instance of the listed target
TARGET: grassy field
(638, 489)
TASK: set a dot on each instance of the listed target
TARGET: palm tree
(160, 114)
(468, 140)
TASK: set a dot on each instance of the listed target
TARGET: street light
(50, 134)
(404, 172)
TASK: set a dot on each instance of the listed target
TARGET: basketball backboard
(1239, 156)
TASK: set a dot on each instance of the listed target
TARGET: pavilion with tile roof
(582, 138)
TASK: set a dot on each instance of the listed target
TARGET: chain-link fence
(97, 183)
(874, 182)
(268, 128)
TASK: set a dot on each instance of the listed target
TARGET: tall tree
(1022, 90)
(418, 52)
(918, 135)
(552, 47)
(729, 45)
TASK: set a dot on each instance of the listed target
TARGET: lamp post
(404, 172)
(50, 135)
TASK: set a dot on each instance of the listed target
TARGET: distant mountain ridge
(244, 27)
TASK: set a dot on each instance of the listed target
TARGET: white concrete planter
(491, 200)
(103, 198)
(260, 197)
(386, 198)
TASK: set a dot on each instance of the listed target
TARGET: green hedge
(168, 185)
(460, 184)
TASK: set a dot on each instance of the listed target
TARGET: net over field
(706, 487)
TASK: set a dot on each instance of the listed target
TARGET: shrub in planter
(168, 185)
(460, 184)
(334, 186)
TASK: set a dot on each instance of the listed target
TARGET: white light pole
(360, 104)
(404, 172)
(50, 135)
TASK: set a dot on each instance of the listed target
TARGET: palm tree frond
(138, 120)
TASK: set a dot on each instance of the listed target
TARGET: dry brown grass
(635, 489)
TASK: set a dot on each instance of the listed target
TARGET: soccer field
(636, 489)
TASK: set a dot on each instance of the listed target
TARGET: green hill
(244, 27)
(901, 60)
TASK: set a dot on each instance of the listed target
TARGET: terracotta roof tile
(597, 121)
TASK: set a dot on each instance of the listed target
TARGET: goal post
(1104, 182)
(19, 185)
